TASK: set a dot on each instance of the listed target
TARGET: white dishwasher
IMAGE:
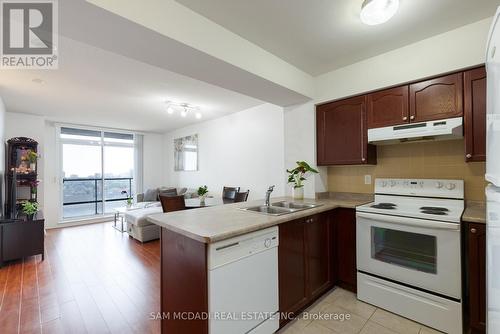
(243, 284)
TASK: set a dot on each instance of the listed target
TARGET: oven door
(418, 252)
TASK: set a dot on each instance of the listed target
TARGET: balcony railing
(85, 191)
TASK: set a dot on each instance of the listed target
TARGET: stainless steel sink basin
(269, 210)
(281, 208)
(295, 205)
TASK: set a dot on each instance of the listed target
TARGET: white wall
(2, 155)
(453, 50)
(300, 144)
(153, 164)
(243, 149)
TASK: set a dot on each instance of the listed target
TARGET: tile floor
(364, 318)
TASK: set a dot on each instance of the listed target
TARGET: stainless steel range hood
(450, 128)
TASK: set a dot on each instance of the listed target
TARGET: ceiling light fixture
(375, 12)
(183, 108)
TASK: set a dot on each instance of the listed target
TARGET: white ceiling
(100, 88)
(321, 35)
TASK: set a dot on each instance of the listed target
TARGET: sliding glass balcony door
(118, 169)
(97, 171)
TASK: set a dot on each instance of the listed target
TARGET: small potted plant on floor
(297, 176)
(29, 209)
(202, 194)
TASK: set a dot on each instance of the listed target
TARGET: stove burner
(434, 208)
(385, 206)
(435, 212)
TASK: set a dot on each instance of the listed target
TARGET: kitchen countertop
(212, 224)
(475, 212)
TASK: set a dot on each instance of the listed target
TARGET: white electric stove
(408, 250)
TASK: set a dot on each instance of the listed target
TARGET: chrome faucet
(268, 195)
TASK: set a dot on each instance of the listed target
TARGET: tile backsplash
(425, 160)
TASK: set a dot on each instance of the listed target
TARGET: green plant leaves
(297, 175)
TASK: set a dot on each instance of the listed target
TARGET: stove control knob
(439, 185)
(450, 186)
(393, 183)
(383, 184)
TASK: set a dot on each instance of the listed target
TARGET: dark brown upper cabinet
(388, 107)
(341, 129)
(436, 98)
(475, 114)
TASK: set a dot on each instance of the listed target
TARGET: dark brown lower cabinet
(319, 245)
(345, 248)
(21, 238)
(475, 276)
(292, 267)
(305, 262)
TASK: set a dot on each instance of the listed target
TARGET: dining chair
(241, 196)
(172, 203)
(228, 194)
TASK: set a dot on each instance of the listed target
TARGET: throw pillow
(151, 195)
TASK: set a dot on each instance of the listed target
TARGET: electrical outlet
(368, 179)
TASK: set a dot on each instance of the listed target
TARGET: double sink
(281, 208)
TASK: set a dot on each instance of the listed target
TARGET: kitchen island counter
(212, 224)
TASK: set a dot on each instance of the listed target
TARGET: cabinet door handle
(412, 117)
(363, 159)
(405, 118)
(473, 230)
(468, 156)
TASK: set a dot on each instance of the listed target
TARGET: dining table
(194, 203)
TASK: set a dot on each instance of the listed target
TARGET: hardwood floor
(94, 280)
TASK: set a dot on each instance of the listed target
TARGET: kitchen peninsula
(310, 244)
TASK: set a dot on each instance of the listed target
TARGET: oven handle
(410, 221)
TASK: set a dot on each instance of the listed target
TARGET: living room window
(97, 171)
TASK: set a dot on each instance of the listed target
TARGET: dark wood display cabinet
(475, 276)
(342, 137)
(21, 174)
(475, 114)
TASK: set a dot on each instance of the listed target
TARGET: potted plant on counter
(29, 209)
(202, 194)
(297, 176)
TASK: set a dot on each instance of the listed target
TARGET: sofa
(138, 226)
